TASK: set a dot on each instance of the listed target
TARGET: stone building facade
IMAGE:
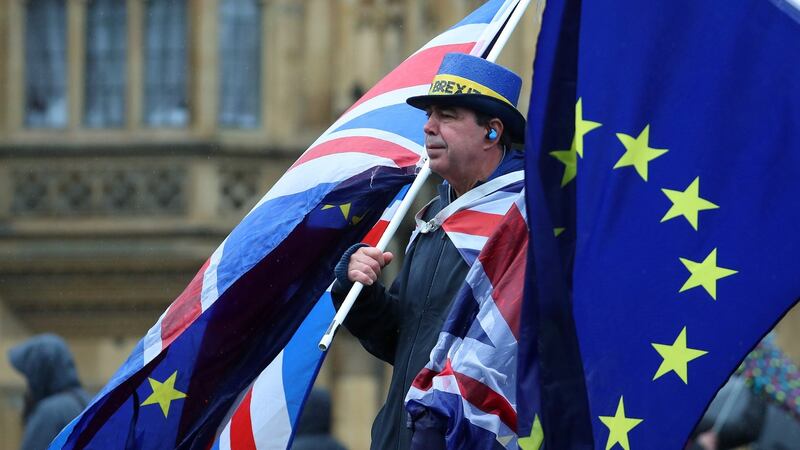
(134, 134)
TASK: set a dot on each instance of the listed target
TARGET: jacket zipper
(419, 323)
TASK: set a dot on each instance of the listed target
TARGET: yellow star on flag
(570, 160)
(558, 230)
(570, 157)
(345, 208)
(163, 393)
(687, 203)
(705, 274)
(534, 441)
(638, 152)
(619, 426)
(676, 357)
(581, 128)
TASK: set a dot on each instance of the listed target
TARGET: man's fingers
(372, 253)
(366, 264)
(358, 276)
(362, 260)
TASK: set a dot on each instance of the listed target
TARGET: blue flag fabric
(663, 193)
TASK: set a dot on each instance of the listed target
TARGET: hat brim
(512, 119)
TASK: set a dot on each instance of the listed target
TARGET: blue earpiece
(492, 134)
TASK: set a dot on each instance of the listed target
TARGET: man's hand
(366, 264)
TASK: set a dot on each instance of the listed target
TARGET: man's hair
(483, 120)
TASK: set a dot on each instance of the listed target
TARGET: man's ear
(496, 125)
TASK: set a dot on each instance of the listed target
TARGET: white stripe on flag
(388, 213)
(225, 438)
(393, 97)
(499, 203)
(327, 169)
(209, 294)
(468, 241)
(269, 415)
(152, 340)
(371, 133)
(461, 35)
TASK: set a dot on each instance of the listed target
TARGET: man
(54, 396)
(472, 120)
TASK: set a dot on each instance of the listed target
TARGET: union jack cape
(183, 381)
(471, 377)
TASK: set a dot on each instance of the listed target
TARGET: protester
(54, 395)
(734, 418)
(472, 121)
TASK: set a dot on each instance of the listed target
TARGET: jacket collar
(512, 161)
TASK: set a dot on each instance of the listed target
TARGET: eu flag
(663, 187)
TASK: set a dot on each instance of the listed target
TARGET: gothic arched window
(45, 64)
(106, 48)
(240, 38)
(165, 63)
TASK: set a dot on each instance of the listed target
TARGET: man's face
(455, 142)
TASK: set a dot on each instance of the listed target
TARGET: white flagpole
(402, 209)
(422, 176)
(516, 16)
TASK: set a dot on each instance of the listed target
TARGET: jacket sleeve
(375, 316)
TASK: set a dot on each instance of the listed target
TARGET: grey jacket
(55, 394)
(402, 324)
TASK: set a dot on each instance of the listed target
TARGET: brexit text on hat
(446, 84)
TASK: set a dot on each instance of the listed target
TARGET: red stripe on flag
(375, 233)
(417, 69)
(475, 392)
(473, 222)
(241, 427)
(487, 400)
(401, 156)
(424, 379)
(182, 312)
(503, 260)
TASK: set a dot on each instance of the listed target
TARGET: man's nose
(430, 126)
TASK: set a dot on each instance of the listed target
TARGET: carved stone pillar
(4, 7)
(204, 64)
(318, 55)
(284, 27)
(15, 60)
(135, 87)
(76, 60)
(343, 68)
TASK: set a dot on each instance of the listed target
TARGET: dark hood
(47, 364)
(316, 417)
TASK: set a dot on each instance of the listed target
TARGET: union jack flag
(267, 414)
(244, 305)
(471, 377)
(473, 217)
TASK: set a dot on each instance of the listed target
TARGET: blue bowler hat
(480, 85)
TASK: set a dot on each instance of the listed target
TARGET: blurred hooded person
(54, 394)
(314, 429)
